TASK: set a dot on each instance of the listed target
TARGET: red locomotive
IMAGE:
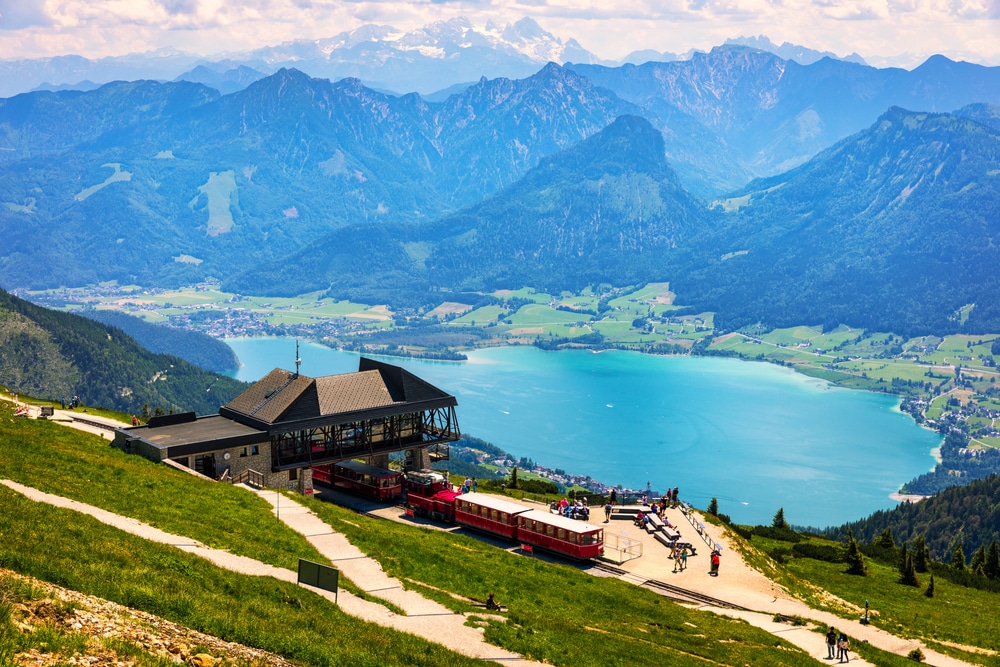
(429, 493)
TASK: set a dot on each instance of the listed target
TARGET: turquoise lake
(754, 435)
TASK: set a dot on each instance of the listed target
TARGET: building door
(205, 465)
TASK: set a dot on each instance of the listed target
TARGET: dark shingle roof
(281, 396)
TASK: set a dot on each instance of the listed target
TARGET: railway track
(669, 590)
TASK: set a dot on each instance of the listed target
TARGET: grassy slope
(899, 609)
(557, 613)
(81, 466)
(78, 552)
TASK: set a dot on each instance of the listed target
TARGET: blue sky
(960, 29)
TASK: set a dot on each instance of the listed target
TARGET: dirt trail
(740, 584)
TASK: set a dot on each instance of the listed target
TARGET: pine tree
(884, 540)
(513, 478)
(921, 553)
(779, 520)
(713, 507)
(978, 563)
(958, 556)
(904, 555)
(930, 588)
(855, 559)
(992, 567)
(909, 573)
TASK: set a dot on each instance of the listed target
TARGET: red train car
(361, 479)
(488, 513)
(567, 537)
(429, 493)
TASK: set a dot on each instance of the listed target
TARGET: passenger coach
(559, 534)
(488, 513)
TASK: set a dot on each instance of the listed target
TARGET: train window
(503, 517)
(562, 534)
(586, 539)
(549, 530)
(574, 538)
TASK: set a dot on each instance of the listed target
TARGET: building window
(254, 450)
(293, 474)
(243, 452)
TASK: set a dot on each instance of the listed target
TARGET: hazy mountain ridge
(774, 114)
(423, 60)
(292, 157)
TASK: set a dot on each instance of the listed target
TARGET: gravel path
(740, 584)
(428, 620)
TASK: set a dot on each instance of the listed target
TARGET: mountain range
(438, 56)
(893, 229)
(172, 183)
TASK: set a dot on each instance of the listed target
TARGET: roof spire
(298, 360)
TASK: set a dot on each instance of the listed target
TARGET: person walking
(684, 559)
(607, 513)
(676, 555)
(831, 643)
(715, 563)
(844, 648)
(614, 497)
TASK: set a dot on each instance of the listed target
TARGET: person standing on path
(614, 497)
(831, 643)
(676, 555)
(607, 513)
(844, 648)
(715, 563)
(684, 559)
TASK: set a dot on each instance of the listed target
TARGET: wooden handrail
(249, 477)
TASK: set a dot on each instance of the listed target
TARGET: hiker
(676, 555)
(715, 563)
(684, 559)
(844, 648)
(607, 513)
(831, 643)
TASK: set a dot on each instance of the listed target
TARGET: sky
(876, 29)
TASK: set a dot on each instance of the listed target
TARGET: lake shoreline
(773, 436)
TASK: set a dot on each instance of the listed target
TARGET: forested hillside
(192, 346)
(50, 354)
(893, 229)
(969, 514)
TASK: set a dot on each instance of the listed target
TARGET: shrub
(824, 552)
(783, 534)
(916, 655)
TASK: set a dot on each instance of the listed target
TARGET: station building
(285, 423)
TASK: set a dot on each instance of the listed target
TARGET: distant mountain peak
(787, 51)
